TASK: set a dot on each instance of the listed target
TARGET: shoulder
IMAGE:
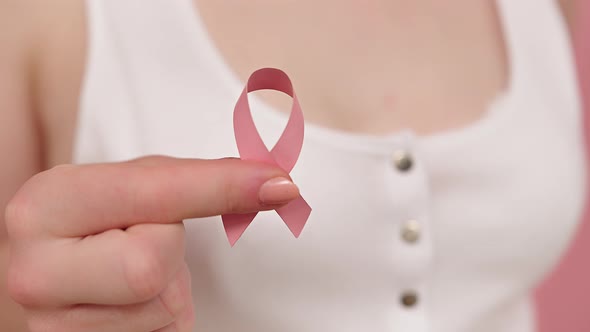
(41, 29)
(48, 40)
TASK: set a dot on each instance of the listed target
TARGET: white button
(410, 231)
(402, 160)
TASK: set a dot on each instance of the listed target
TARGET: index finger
(82, 200)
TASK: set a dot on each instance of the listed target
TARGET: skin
(42, 56)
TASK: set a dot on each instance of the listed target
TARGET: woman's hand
(101, 247)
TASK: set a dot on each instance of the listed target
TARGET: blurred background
(563, 300)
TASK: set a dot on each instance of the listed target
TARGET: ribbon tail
(236, 224)
(295, 215)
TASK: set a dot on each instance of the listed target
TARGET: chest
(369, 66)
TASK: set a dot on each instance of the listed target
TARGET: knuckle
(144, 273)
(23, 286)
(22, 211)
(18, 215)
(231, 197)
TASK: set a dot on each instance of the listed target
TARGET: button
(409, 299)
(403, 160)
(411, 231)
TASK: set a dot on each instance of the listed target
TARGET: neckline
(354, 141)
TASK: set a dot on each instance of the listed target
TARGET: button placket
(412, 240)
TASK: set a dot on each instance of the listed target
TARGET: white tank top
(455, 243)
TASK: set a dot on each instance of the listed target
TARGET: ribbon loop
(284, 154)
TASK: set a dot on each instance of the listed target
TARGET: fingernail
(277, 191)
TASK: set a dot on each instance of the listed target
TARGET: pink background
(563, 300)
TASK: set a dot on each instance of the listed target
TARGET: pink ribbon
(284, 154)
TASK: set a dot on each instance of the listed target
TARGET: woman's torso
(495, 189)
